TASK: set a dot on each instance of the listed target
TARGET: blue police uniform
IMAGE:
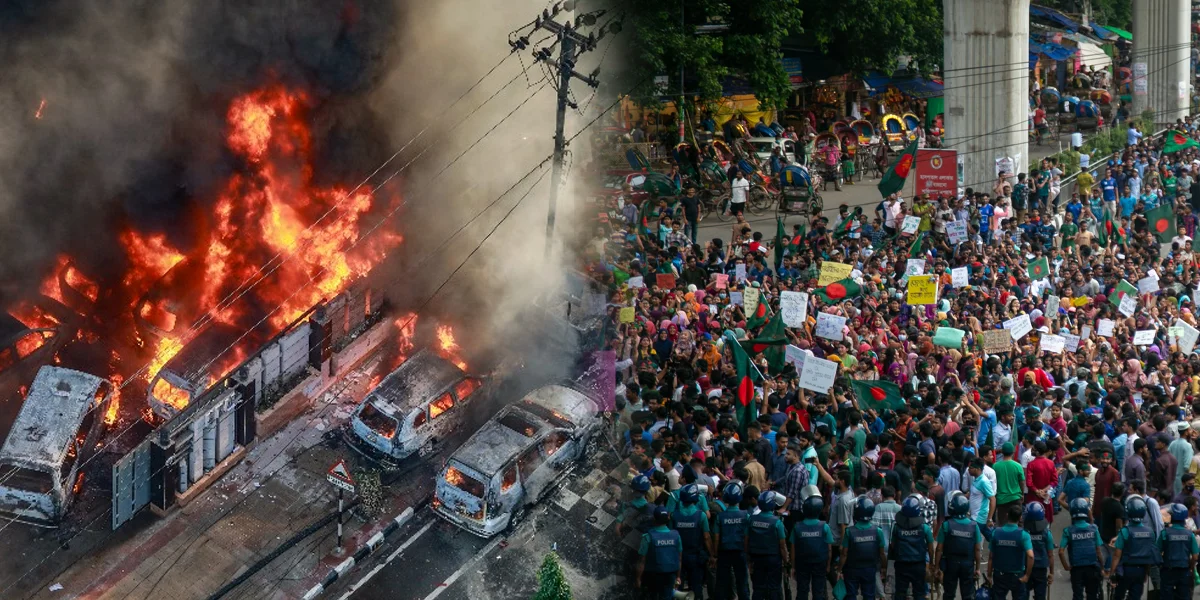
(810, 540)
(731, 553)
(1138, 554)
(662, 548)
(862, 543)
(692, 524)
(1043, 544)
(763, 534)
(1177, 545)
(910, 549)
(1080, 539)
(1009, 547)
(958, 538)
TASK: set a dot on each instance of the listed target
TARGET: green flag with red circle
(1038, 269)
(877, 395)
(1174, 141)
(838, 291)
(1162, 222)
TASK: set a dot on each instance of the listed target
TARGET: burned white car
(515, 459)
(413, 408)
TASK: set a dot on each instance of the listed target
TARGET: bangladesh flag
(1162, 222)
(770, 342)
(877, 394)
(759, 317)
(743, 388)
(838, 291)
(843, 229)
(779, 243)
(1038, 269)
(1123, 287)
(897, 172)
(918, 246)
(1176, 141)
(1105, 229)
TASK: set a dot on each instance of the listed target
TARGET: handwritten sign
(830, 326)
(910, 224)
(1085, 332)
(626, 315)
(637, 282)
(1104, 327)
(959, 277)
(956, 231)
(665, 281)
(818, 374)
(996, 341)
(1072, 342)
(735, 298)
(795, 356)
(922, 289)
(1148, 285)
(739, 272)
(750, 300)
(1187, 337)
(721, 280)
(794, 306)
(1128, 305)
(1145, 337)
(1052, 307)
(1051, 343)
(914, 266)
(832, 272)
(1019, 326)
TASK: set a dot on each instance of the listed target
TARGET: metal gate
(131, 484)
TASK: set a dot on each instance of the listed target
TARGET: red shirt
(1104, 479)
(1040, 474)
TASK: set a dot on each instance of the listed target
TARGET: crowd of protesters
(1102, 419)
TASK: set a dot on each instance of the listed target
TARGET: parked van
(413, 408)
(515, 459)
(56, 431)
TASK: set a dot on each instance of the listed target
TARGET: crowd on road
(882, 402)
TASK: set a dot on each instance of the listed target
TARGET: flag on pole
(1176, 141)
(1162, 222)
(877, 394)
(1038, 269)
(896, 174)
(770, 342)
(743, 388)
(759, 317)
(838, 291)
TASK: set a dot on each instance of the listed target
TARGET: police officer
(661, 553)
(1179, 550)
(692, 525)
(766, 543)
(639, 512)
(1135, 551)
(1042, 540)
(958, 542)
(1011, 561)
(1079, 552)
(809, 544)
(912, 546)
(730, 541)
(864, 549)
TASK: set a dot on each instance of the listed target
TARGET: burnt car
(516, 458)
(414, 408)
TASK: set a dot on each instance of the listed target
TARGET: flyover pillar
(1161, 58)
(986, 68)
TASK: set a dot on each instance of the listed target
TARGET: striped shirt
(885, 517)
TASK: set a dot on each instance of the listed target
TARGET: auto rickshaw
(797, 192)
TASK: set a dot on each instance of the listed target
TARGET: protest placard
(794, 306)
(1104, 327)
(1019, 326)
(818, 374)
(626, 314)
(739, 272)
(1144, 337)
(1147, 285)
(914, 266)
(665, 281)
(750, 300)
(796, 357)
(1187, 338)
(996, 341)
(956, 231)
(910, 224)
(722, 280)
(1051, 343)
(1128, 305)
(830, 326)
(1072, 342)
(735, 298)
(948, 337)
(922, 289)
(1051, 306)
(1085, 332)
(960, 277)
(832, 272)
(637, 282)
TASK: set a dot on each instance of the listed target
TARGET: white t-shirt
(739, 190)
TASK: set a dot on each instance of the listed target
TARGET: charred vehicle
(515, 459)
(414, 408)
(57, 431)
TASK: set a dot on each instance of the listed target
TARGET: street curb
(361, 553)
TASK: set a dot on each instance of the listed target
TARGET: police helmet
(1079, 508)
(732, 495)
(769, 501)
(812, 507)
(864, 509)
(1178, 513)
(689, 494)
(959, 506)
(1035, 517)
(1135, 508)
(641, 483)
(909, 516)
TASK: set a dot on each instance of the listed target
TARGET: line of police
(743, 545)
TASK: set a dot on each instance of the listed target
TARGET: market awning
(1051, 50)
(1120, 32)
(1104, 33)
(916, 87)
(1053, 16)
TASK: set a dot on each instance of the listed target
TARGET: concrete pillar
(986, 45)
(1161, 58)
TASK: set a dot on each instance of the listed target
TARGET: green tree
(552, 582)
(871, 34)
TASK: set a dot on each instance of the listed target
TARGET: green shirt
(860, 441)
(1068, 232)
(1009, 477)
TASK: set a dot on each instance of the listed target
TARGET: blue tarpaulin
(916, 87)
(1054, 16)
(1051, 50)
(1102, 32)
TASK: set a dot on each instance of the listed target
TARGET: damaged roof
(493, 446)
(57, 402)
(414, 383)
(571, 404)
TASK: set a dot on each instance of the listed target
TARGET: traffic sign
(339, 475)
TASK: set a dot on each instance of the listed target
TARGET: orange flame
(41, 106)
(448, 347)
(32, 316)
(114, 400)
(171, 395)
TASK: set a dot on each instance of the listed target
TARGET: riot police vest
(1041, 554)
(909, 544)
(764, 535)
(731, 525)
(863, 548)
(663, 554)
(1007, 550)
(642, 517)
(808, 537)
(960, 540)
(1177, 547)
(1081, 545)
(1139, 546)
(691, 531)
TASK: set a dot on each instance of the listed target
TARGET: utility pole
(571, 45)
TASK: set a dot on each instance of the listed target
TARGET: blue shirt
(1109, 186)
(1077, 487)
(1127, 205)
(985, 216)
(1132, 136)
(1150, 200)
(1075, 208)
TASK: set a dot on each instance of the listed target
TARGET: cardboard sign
(1085, 332)
(937, 172)
(1104, 327)
(735, 298)
(1072, 342)
(1148, 285)
(1018, 327)
(721, 280)
(818, 374)
(922, 289)
(626, 314)
(1052, 307)
(1187, 337)
(996, 341)
(665, 281)
(739, 272)
(637, 282)
(832, 272)
(796, 357)
(1051, 343)
(830, 326)
(750, 300)
(910, 224)
(1128, 305)
(1144, 337)
(959, 277)
(956, 231)
(794, 306)
(914, 266)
